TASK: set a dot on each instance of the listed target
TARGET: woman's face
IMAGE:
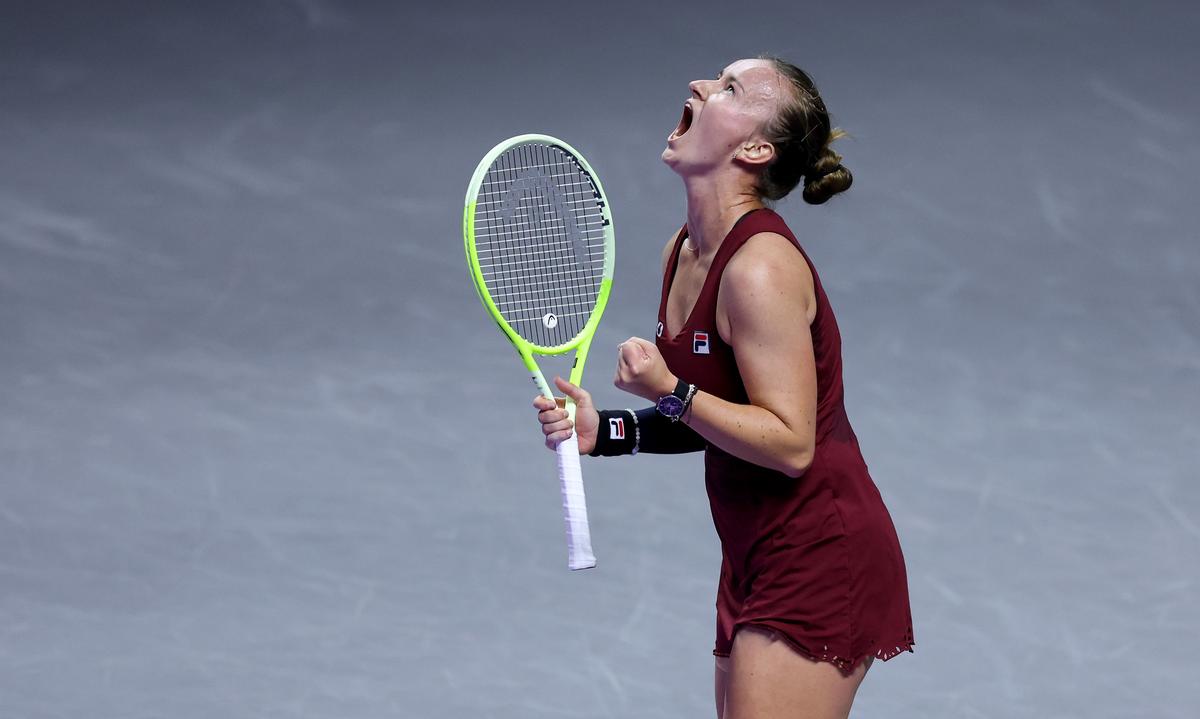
(723, 115)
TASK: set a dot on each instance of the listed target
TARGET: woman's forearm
(752, 433)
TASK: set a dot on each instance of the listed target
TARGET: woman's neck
(714, 204)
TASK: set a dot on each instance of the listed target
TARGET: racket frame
(582, 341)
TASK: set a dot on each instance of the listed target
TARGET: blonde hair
(801, 133)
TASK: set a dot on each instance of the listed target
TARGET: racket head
(538, 235)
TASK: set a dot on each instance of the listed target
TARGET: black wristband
(660, 435)
(647, 430)
(617, 434)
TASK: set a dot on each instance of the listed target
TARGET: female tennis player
(746, 366)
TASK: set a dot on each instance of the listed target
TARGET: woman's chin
(671, 158)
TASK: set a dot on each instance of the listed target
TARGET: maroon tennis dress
(815, 559)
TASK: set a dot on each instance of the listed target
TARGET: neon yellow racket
(539, 240)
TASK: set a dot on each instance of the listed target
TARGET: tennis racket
(539, 240)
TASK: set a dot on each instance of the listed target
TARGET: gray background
(263, 455)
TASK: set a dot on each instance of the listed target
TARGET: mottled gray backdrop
(263, 455)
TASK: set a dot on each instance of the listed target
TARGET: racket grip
(579, 535)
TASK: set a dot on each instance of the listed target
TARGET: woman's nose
(697, 88)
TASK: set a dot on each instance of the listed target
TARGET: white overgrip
(579, 536)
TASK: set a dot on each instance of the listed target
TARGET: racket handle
(579, 536)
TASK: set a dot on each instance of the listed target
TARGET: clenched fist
(641, 370)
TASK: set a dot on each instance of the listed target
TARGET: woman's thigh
(720, 681)
(767, 679)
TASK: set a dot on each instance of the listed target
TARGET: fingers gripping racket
(539, 240)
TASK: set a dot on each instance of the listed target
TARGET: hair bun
(813, 174)
(826, 178)
(801, 131)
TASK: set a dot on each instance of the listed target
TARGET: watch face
(670, 405)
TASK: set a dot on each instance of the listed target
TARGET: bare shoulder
(768, 268)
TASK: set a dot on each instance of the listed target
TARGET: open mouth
(685, 123)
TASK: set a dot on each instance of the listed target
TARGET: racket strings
(539, 233)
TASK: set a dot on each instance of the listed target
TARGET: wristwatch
(672, 406)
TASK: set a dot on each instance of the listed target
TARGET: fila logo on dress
(616, 428)
(700, 342)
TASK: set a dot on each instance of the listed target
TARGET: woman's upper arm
(765, 293)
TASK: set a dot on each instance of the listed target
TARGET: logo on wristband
(616, 428)
(700, 342)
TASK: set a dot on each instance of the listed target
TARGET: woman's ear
(755, 152)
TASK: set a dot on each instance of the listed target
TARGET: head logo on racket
(536, 191)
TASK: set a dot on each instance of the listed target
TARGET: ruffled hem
(844, 664)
